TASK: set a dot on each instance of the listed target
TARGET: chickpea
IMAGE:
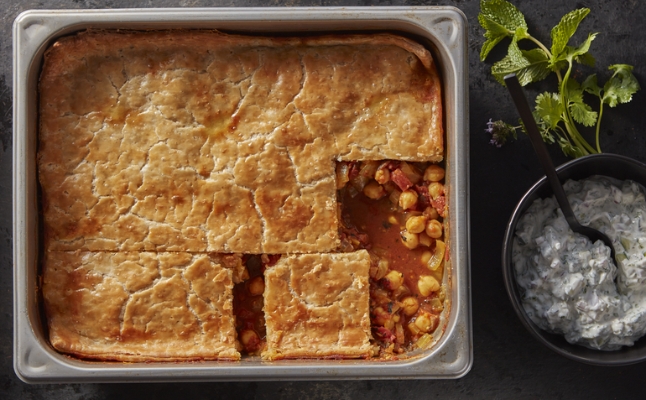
(256, 286)
(426, 322)
(382, 175)
(416, 224)
(250, 339)
(408, 199)
(390, 324)
(410, 240)
(425, 240)
(374, 191)
(434, 229)
(434, 173)
(381, 316)
(435, 189)
(427, 285)
(410, 305)
(393, 280)
(392, 220)
(431, 213)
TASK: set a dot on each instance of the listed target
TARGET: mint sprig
(500, 19)
(559, 113)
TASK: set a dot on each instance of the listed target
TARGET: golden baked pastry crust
(198, 141)
(158, 148)
(139, 306)
(317, 305)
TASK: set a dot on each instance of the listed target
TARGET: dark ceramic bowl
(599, 164)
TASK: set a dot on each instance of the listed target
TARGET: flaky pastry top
(317, 305)
(199, 141)
(140, 306)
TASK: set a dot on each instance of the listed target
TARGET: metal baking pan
(442, 29)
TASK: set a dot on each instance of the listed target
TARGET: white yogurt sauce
(567, 282)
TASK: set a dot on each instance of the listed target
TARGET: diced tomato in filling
(400, 179)
(384, 334)
(354, 170)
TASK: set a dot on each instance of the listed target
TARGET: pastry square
(140, 306)
(317, 306)
(199, 141)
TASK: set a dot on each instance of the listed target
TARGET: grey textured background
(508, 362)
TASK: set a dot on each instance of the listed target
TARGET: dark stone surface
(509, 363)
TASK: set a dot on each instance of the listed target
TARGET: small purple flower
(500, 132)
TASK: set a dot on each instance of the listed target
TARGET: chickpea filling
(395, 210)
(248, 304)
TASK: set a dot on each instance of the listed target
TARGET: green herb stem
(599, 126)
(570, 126)
(576, 137)
(547, 52)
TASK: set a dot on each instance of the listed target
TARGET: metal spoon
(518, 96)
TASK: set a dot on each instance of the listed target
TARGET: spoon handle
(526, 116)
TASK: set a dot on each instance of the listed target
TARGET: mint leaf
(528, 65)
(513, 62)
(583, 48)
(500, 19)
(521, 33)
(538, 67)
(550, 109)
(562, 32)
(621, 87)
(494, 34)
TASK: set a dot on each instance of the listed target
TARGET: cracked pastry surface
(200, 141)
(158, 149)
(317, 305)
(140, 306)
